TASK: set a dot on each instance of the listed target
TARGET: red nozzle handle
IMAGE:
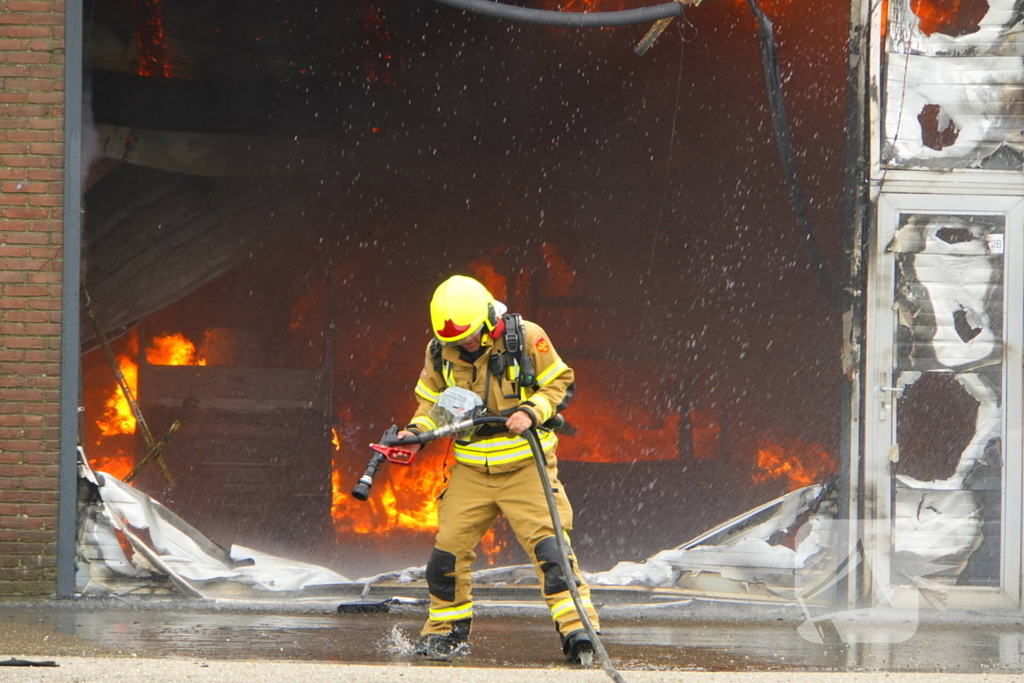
(399, 456)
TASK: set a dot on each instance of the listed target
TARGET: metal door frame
(876, 525)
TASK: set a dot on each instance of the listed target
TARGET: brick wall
(31, 161)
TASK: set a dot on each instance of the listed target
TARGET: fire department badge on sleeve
(542, 345)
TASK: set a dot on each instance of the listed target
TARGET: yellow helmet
(459, 307)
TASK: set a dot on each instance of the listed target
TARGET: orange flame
(605, 432)
(484, 270)
(173, 349)
(117, 415)
(118, 419)
(111, 434)
(149, 36)
(800, 462)
(117, 465)
(491, 545)
(403, 498)
(950, 17)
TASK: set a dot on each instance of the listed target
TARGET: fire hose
(390, 449)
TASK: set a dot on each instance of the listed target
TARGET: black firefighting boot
(445, 644)
(578, 648)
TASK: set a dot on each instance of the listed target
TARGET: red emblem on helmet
(451, 330)
(542, 345)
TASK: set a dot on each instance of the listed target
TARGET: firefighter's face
(472, 342)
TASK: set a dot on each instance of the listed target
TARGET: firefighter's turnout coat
(495, 473)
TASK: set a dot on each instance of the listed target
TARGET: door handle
(885, 404)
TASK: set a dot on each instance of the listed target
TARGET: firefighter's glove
(414, 447)
(519, 421)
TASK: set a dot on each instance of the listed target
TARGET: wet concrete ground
(109, 670)
(691, 638)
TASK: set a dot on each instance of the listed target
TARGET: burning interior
(274, 190)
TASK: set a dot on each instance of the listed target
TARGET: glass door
(943, 456)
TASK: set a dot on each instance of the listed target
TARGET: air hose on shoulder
(563, 552)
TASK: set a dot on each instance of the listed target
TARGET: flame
(119, 464)
(111, 434)
(800, 462)
(608, 432)
(118, 419)
(950, 17)
(605, 435)
(173, 349)
(403, 498)
(117, 415)
(484, 270)
(149, 36)
(491, 545)
(559, 276)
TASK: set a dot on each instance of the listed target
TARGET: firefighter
(494, 471)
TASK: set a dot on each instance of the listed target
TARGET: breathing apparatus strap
(516, 365)
(513, 364)
(440, 365)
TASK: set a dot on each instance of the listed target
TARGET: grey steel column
(856, 221)
(70, 345)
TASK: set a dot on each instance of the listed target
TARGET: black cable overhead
(780, 124)
(542, 17)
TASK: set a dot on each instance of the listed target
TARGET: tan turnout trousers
(466, 510)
